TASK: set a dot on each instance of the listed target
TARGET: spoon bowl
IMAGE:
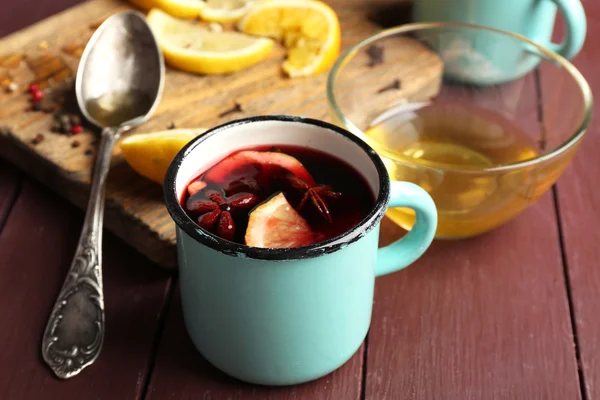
(120, 78)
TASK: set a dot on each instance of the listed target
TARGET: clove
(394, 85)
(37, 139)
(237, 107)
(375, 54)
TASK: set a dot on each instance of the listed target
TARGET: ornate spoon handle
(75, 330)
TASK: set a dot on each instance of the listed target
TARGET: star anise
(317, 195)
(216, 212)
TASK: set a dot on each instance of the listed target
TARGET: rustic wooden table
(512, 314)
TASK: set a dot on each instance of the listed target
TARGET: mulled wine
(282, 196)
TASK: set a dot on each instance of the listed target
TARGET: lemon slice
(309, 29)
(275, 224)
(194, 49)
(181, 8)
(209, 10)
(150, 154)
(226, 10)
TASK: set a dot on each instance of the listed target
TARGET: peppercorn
(75, 120)
(56, 127)
(65, 123)
(33, 88)
(64, 119)
(76, 129)
(37, 96)
(37, 139)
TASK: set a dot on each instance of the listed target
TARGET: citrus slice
(309, 29)
(275, 224)
(232, 166)
(195, 187)
(149, 154)
(181, 8)
(194, 49)
(225, 10)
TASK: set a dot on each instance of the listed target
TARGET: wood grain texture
(9, 188)
(579, 205)
(135, 210)
(181, 373)
(483, 318)
(36, 248)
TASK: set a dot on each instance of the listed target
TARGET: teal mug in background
(503, 58)
(287, 316)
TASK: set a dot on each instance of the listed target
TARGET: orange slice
(229, 168)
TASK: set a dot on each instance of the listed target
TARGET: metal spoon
(118, 85)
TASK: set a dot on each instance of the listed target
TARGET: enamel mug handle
(406, 250)
(575, 28)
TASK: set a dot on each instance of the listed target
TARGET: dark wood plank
(9, 187)
(25, 12)
(482, 318)
(36, 247)
(579, 209)
(181, 373)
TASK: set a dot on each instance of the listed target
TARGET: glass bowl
(484, 120)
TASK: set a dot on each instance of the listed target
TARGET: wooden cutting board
(48, 53)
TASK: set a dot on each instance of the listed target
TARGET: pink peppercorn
(33, 88)
(37, 96)
(76, 129)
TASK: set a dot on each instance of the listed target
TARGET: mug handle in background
(575, 28)
(406, 250)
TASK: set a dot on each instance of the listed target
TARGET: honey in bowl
(278, 197)
(446, 147)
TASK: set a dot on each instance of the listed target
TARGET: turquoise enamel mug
(287, 316)
(485, 57)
